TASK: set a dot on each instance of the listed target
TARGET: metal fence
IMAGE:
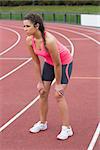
(71, 18)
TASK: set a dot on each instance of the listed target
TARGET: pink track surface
(18, 89)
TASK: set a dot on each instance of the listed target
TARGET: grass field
(69, 14)
(75, 9)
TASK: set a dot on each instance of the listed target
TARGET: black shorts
(48, 73)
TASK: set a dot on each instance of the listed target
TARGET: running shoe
(65, 133)
(38, 127)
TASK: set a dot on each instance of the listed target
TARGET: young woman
(57, 64)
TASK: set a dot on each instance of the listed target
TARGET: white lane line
(84, 28)
(17, 58)
(86, 78)
(87, 36)
(76, 32)
(18, 36)
(94, 138)
(88, 29)
(8, 123)
(30, 104)
(79, 39)
(72, 53)
(9, 73)
(72, 46)
(21, 112)
(27, 107)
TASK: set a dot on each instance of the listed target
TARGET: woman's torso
(65, 54)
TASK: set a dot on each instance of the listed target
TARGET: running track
(19, 96)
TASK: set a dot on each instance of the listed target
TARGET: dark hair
(36, 18)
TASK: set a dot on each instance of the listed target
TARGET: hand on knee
(59, 91)
(41, 89)
(59, 94)
(40, 86)
(42, 93)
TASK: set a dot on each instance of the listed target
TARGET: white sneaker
(65, 133)
(38, 127)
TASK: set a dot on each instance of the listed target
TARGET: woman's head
(36, 20)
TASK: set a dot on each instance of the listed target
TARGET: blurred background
(65, 11)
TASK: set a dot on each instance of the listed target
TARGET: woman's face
(29, 27)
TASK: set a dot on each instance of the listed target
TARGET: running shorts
(48, 73)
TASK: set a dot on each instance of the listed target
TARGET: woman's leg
(43, 102)
(66, 130)
(42, 124)
(62, 103)
(47, 77)
(63, 108)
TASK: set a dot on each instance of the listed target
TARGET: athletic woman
(57, 64)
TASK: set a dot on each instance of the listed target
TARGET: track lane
(73, 142)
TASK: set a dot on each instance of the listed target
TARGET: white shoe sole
(37, 130)
(64, 138)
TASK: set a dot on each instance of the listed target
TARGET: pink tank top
(65, 55)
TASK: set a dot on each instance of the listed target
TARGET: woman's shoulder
(29, 40)
(50, 39)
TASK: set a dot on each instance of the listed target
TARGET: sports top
(65, 55)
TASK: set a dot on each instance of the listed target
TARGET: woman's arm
(53, 50)
(35, 58)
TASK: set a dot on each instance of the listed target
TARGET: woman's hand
(41, 88)
(59, 89)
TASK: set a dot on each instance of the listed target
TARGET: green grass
(17, 13)
(75, 9)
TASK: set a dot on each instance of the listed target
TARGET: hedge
(48, 2)
(66, 2)
(15, 2)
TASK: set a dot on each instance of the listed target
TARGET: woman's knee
(58, 96)
(43, 94)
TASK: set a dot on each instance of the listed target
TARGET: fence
(71, 18)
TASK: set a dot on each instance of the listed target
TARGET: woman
(58, 65)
